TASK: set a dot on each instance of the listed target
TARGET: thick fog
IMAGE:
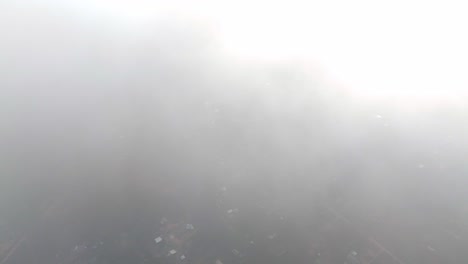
(108, 120)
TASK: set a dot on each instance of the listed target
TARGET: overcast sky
(367, 45)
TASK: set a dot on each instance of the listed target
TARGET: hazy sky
(371, 46)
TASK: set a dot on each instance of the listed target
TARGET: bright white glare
(370, 46)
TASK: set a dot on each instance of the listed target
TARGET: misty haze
(246, 133)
